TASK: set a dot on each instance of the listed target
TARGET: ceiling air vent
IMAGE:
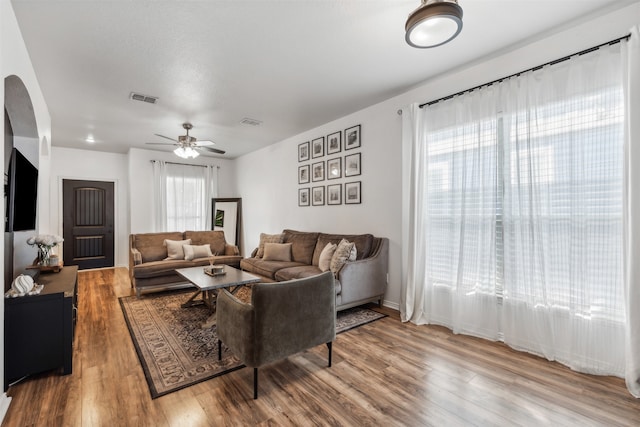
(250, 122)
(143, 98)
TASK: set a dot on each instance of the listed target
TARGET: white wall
(88, 165)
(141, 183)
(267, 179)
(15, 61)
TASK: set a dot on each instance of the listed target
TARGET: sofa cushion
(159, 268)
(297, 272)
(344, 252)
(364, 244)
(215, 238)
(265, 268)
(324, 263)
(175, 248)
(150, 245)
(267, 238)
(303, 245)
(277, 252)
(192, 252)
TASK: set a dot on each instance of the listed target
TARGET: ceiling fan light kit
(188, 146)
(186, 152)
(434, 23)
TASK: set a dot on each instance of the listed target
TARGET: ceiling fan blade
(166, 137)
(160, 143)
(213, 150)
(204, 143)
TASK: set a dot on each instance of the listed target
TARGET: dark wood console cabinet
(39, 329)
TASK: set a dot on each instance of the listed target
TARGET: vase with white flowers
(45, 243)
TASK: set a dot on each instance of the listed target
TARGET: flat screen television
(22, 193)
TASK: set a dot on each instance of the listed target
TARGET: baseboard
(390, 304)
(5, 401)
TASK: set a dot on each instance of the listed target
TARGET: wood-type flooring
(386, 373)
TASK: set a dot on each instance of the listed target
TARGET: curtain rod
(184, 164)
(564, 58)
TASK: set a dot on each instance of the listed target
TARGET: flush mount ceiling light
(434, 23)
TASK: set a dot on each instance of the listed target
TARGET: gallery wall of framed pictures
(329, 167)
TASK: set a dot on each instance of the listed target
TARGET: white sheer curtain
(521, 210)
(182, 196)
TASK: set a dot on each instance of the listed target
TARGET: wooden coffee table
(208, 286)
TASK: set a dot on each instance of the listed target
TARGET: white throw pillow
(324, 263)
(174, 248)
(192, 252)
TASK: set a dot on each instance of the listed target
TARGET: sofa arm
(365, 278)
(236, 326)
(231, 249)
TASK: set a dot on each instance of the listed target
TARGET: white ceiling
(293, 64)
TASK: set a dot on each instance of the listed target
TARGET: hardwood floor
(384, 373)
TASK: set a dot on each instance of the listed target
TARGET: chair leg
(255, 383)
(330, 346)
(219, 350)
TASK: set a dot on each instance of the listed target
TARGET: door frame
(116, 207)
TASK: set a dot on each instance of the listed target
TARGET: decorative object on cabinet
(317, 147)
(352, 193)
(352, 137)
(352, 165)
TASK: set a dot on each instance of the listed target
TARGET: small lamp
(434, 23)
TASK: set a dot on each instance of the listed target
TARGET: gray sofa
(282, 319)
(149, 268)
(356, 283)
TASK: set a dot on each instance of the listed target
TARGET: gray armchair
(283, 318)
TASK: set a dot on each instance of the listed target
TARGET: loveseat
(154, 257)
(356, 282)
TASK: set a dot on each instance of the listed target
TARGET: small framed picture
(334, 143)
(317, 196)
(334, 168)
(352, 193)
(317, 147)
(352, 137)
(303, 151)
(303, 197)
(303, 174)
(352, 165)
(317, 170)
(334, 194)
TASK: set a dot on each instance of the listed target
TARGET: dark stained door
(88, 223)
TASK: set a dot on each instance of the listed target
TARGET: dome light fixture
(434, 23)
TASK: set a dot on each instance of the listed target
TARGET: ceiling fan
(188, 146)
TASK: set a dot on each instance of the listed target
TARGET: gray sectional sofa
(357, 282)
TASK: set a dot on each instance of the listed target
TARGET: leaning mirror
(226, 215)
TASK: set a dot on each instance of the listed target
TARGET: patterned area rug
(174, 348)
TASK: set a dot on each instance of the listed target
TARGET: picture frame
(317, 172)
(303, 151)
(352, 137)
(334, 194)
(334, 168)
(317, 196)
(304, 174)
(353, 193)
(317, 147)
(334, 143)
(303, 197)
(352, 164)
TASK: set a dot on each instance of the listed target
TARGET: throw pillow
(174, 248)
(192, 252)
(346, 251)
(277, 252)
(268, 238)
(324, 263)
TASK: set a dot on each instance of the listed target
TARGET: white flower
(45, 240)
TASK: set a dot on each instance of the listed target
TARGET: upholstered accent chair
(283, 318)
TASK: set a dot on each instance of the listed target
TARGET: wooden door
(87, 223)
